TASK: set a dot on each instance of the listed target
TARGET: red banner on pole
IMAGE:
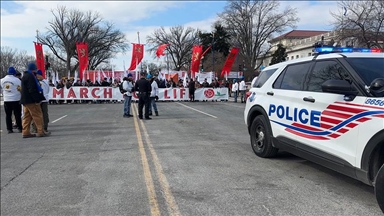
(40, 57)
(160, 50)
(229, 62)
(196, 57)
(137, 56)
(82, 53)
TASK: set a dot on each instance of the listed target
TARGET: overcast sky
(20, 20)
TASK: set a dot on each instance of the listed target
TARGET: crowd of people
(26, 96)
(26, 100)
(116, 83)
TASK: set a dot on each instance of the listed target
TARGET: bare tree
(252, 22)
(14, 58)
(180, 42)
(152, 67)
(71, 26)
(361, 21)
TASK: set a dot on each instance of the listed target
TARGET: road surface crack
(9, 182)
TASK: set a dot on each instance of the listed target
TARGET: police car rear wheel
(379, 188)
(261, 141)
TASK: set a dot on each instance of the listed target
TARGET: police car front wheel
(379, 188)
(261, 140)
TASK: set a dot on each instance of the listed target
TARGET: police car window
(263, 77)
(293, 77)
(368, 68)
(323, 71)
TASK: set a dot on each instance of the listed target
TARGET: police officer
(143, 89)
(11, 86)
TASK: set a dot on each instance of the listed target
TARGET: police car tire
(267, 150)
(379, 187)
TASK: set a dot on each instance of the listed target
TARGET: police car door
(334, 133)
(288, 113)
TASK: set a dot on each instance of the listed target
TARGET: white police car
(327, 108)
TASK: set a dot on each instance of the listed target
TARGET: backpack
(122, 91)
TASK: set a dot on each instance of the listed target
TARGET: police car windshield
(368, 68)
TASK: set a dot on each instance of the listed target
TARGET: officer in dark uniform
(143, 90)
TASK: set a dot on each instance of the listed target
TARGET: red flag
(82, 53)
(196, 57)
(160, 50)
(137, 56)
(229, 62)
(40, 57)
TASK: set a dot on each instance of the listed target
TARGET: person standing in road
(143, 89)
(192, 88)
(154, 95)
(11, 86)
(242, 88)
(235, 89)
(128, 88)
(31, 97)
(44, 104)
(14, 124)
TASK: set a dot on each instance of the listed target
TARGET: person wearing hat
(153, 96)
(143, 89)
(128, 88)
(11, 86)
(31, 97)
(44, 104)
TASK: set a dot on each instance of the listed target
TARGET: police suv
(327, 108)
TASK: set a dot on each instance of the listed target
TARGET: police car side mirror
(339, 87)
(377, 85)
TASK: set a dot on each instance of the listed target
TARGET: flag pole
(37, 35)
(138, 38)
(168, 65)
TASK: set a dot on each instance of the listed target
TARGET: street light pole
(213, 53)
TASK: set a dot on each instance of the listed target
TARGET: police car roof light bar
(324, 50)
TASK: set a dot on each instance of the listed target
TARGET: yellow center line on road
(154, 206)
(172, 206)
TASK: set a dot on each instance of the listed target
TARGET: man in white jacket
(128, 87)
(235, 89)
(11, 86)
(44, 104)
(242, 89)
(154, 95)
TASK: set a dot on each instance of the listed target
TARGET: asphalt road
(193, 159)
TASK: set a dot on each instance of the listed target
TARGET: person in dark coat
(31, 97)
(192, 89)
(143, 89)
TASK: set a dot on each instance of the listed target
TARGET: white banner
(110, 93)
(201, 76)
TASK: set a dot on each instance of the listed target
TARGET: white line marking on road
(59, 119)
(197, 110)
(269, 212)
